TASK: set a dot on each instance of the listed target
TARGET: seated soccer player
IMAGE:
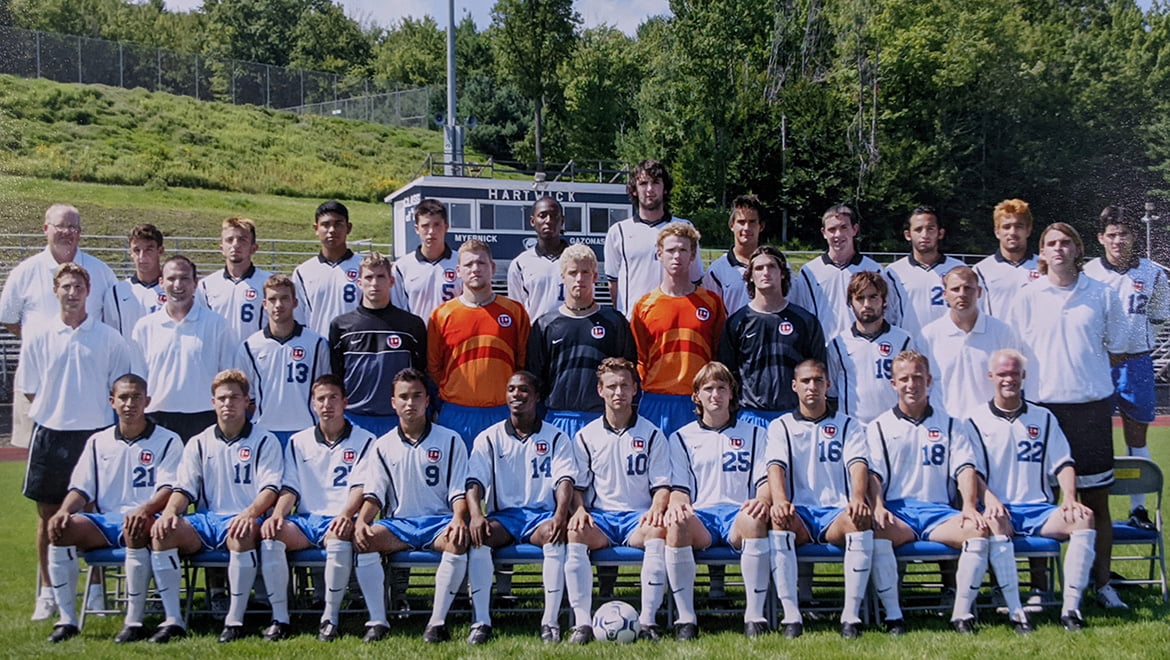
(719, 495)
(1024, 449)
(818, 473)
(623, 475)
(416, 476)
(231, 472)
(318, 462)
(914, 452)
(522, 469)
(138, 462)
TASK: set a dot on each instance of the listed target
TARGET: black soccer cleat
(1072, 621)
(277, 631)
(231, 634)
(131, 634)
(581, 635)
(481, 633)
(964, 626)
(896, 627)
(1140, 519)
(851, 629)
(436, 634)
(376, 633)
(792, 630)
(165, 634)
(63, 632)
(327, 632)
(754, 629)
(1022, 626)
(550, 634)
(650, 632)
(686, 632)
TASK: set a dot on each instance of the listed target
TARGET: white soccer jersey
(534, 280)
(179, 359)
(861, 370)
(71, 373)
(822, 287)
(224, 475)
(620, 470)
(1070, 331)
(517, 472)
(631, 260)
(1021, 453)
(816, 455)
(421, 285)
(1141, 293)
(282, 372)
(1001, 280)
(319, 474)
(959, 360)
(128, 301)
(28, 298)
(916, 292)
(240, 302)
(326, 290)
(918, 459)
(725, 277)
(718, 467)
(120, 474)
(409, 480)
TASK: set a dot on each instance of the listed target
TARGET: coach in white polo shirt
(1072, 324)
(180, 349)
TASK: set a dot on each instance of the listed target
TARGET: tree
(325, 39)
(413, 52)
(601, 80)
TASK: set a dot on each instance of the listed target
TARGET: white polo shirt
(1000, 279)
(421, 285)
(1019, 452)
(725, 277)
(631, 260)
(822, 287)
(534, 280)
(28, 298)
(71, 373)
(861, 370)
(1141, 293)
(959, 360)
(918, 459)
(120, 474)
(238, 301)
(916, 292)
(326, 290)
(179, 359)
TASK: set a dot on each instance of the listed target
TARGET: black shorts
(51, 458)
(185, 425)
(1089, 429)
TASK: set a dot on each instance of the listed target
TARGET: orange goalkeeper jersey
(675, 338)
(473, 351)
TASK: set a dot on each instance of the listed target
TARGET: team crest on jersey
(785, 328)
(885, 348)
(351, 275)
(348, 456)
(250, 294)
(433, 455)
(162, 298)
(449, 275)
(1033, 431)
(146, 457)
(1034, 274)
(702, 313)
(298, 353)
(829, 430)
(638, 444)
(505, 320)
(1138, 285)
(736, 443)
(541, 447)
(394, 341)
(934, 434)
(598, 332)
(245, 453)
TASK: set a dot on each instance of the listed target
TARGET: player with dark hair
(726, 276)
(141, 293)
(428, 276)
(236, 292)
(916, 288)
(327, 284)
(534, 276)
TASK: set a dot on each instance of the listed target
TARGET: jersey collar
(1121, 270)
(147, 431)
(247, 274)
(549, 255)
(1004, 260)
(134, 280)
(345, 431)
(345, 257)
(633, 422)
(244, 432)
(511, 430)
(906, 418)
(855, 261)
(918, 264)
(796, 414)
(297, 329)
(1009, 415)
(861, 335)
(735, 263)
(446, 254)
(405, 440)
(666, 217)
(730, 423)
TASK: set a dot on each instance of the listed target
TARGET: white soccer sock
(884, 575)
(1078, 562)
(1002, 556)
(756, 566)
(274, 566)
(338, 568)
(552, 574)
(167, 581)
(448, 577)
(137, 582)
(579, 582)
(63, 575)
(241, 574)
(858, 564)
(680, 570)
(479, 578)
(785, 573)
(371, 578)
(1138, 499)
(969, 577)
(653, 580)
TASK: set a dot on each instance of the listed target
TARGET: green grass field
(1141, 632)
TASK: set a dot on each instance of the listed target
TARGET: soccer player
(567, 344)
(623, 475)
(1071, 325)
(631, 261)
(282, 362)
(141, 293)
(822, 285)
(1139, 286)
(726, 276)
(916, 288)
(534, 276)
(521, 475)
(476, 342)
(764, 341)
(1023, 451)
(231, 472)
(959, 344)
(126, 471)
(318, 464)
(371, 343)
(327, 283)
(66, 365)
(861, 359)
(416, 476)
(914, 451)
(427, 277)
(1002, 274)
(179, 350)
(719, 494)
(235, 293)
(818, 475)
(676, 328)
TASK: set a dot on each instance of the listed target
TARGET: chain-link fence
(73, 59)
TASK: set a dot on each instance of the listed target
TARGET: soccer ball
(615, 621)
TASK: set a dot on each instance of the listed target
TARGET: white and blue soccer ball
(615, 621)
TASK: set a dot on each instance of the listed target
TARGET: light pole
(1148, 220)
